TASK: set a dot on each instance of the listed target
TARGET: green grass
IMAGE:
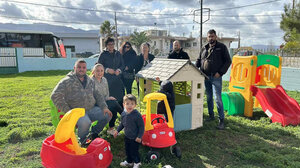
(246, 142)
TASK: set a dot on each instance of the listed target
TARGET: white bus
(52, 45)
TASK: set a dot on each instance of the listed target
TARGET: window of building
(194, 44)
(71, 47)
(154, 43)
(187, 45)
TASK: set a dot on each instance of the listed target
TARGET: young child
(166, 87)
(133, 124)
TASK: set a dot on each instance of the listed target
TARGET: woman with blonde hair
(101, 87)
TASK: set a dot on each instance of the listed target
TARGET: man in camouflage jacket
(77, 90)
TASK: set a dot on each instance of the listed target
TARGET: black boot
(209, 119)
(221, 125)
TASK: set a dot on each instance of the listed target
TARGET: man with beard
(77, 90)
(177, 52)
(214, 60)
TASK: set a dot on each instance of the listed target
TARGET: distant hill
(43, 27)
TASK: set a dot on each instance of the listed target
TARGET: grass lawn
(246, 142)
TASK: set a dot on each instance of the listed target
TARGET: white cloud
(252, 29)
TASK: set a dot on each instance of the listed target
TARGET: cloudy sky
(256, 21)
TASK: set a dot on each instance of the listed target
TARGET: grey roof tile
(162, 68)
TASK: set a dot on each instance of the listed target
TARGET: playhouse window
(199, 86)
(198, 95)
(182, 92)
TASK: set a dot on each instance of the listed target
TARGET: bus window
(49, 50)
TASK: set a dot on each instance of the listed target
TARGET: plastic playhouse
(62, 148)
(259, 76)
(158, 132)
(188, 85)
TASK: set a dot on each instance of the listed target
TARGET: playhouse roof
(165, 69)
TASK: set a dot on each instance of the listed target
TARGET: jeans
(214, 84)
(132, 150)
(84, 123)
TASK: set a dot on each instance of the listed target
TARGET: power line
(254, 4)
(95, 10)
(129, 24)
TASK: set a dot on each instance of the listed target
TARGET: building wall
(82, 44)
(45, 64)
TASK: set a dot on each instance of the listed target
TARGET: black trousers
(128, 85)
(132, 150)
(115, 108)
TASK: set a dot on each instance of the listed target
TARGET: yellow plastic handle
(67, 124)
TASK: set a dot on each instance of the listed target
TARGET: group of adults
(102, 93)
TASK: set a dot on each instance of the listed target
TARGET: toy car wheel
(176, 150)
(153, 155)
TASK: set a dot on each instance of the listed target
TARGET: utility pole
(201, 22)
(201, 19)
(116, 32)
(293, 4)
(239, 43)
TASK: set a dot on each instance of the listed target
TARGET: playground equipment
(188, 85)
(259, 76)
(158, 132)
(62, 148)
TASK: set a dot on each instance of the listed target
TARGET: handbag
(128, 75)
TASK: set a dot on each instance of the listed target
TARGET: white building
(162, 43)
(81, 42)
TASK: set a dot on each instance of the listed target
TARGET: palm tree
(137, 39)
(106, 29)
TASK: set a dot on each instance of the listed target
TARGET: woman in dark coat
(113, 63)
(129, 58)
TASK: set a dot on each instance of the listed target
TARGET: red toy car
(62, 149)
(158, 132)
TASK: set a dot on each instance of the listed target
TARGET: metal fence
(289, 59)
(8, 57)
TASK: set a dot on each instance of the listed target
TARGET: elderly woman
(129, 58)
(113, 64)
(101, 87)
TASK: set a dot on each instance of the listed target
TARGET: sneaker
(137, 165)
(221, 125)
(111, 131)
(126, 164)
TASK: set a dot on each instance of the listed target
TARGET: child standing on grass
(133, 124)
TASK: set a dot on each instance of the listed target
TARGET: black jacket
(218, 61)
(133, 124)
(166, 87)
(115, 84)
(180, 55)
(129, 59)
(113, 61)
(140, 61)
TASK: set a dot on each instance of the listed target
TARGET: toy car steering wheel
(157, 119)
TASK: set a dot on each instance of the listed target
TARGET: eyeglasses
(127, 46)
